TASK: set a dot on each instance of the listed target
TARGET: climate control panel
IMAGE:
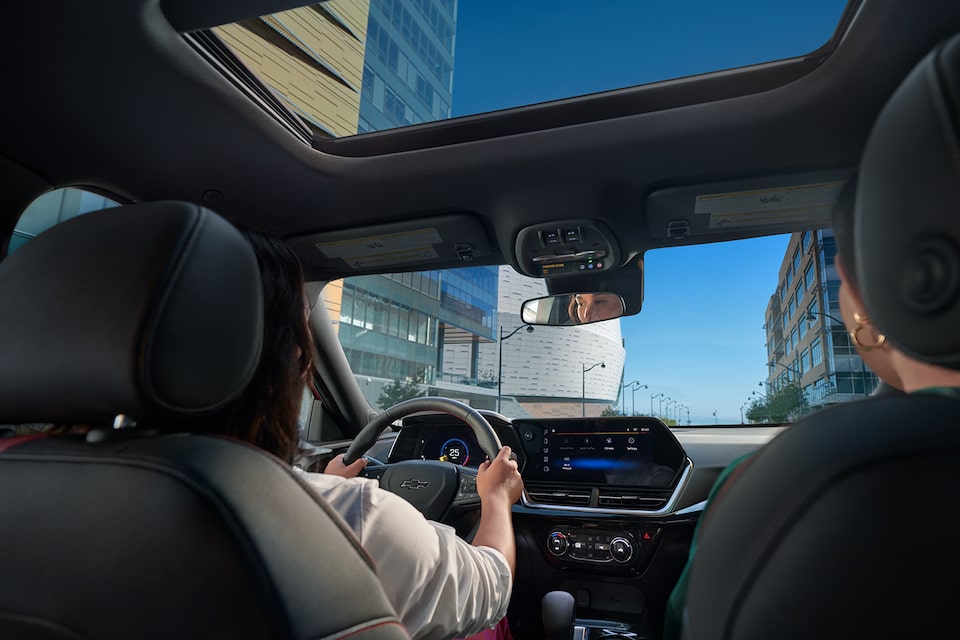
(592, 546)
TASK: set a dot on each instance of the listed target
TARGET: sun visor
(441, 242)
(740, 208)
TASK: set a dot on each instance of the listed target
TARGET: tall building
(806, 339)
(408, 79)
(312, 57)
(408, 66)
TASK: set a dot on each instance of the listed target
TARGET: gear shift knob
(558, 609)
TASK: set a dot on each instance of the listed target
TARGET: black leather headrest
(150, 310)
(907, 213)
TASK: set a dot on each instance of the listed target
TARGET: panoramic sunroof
(353, 66)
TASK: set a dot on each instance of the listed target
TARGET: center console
(596, 491)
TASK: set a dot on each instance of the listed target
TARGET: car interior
(145, 314)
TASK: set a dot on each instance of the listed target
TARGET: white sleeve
(441, 586)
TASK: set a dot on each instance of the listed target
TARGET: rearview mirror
(572, 308)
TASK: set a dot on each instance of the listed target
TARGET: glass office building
(408, 64)
(807, 342)
(399, 326)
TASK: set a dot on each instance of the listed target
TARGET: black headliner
(107, 94)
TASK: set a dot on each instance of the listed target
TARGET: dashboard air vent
(642, 499)
(559, 495)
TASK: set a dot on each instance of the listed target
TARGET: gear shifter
(558, 609)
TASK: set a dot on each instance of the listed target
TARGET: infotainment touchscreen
(598, 453)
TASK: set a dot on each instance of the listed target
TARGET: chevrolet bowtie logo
(413, 484)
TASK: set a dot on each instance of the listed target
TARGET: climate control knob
(557, 543)
(621, 549)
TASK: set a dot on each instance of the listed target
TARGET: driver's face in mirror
(565, 309)
(594, 307)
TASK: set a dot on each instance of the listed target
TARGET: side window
(51, 209)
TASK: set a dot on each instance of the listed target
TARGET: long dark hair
(266, 412)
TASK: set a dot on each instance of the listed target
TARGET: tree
(785, 404)
(398, 391)
(611, 412)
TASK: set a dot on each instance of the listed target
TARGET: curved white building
(543, 371)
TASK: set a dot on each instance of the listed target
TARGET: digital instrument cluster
(451, 442)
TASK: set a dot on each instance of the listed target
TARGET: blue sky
(699, 337)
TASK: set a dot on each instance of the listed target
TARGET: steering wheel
(431, 486)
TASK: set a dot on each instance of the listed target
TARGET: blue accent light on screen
(596, 464)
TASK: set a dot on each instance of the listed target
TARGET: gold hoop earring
(862, 322)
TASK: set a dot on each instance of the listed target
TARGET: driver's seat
(154, 311)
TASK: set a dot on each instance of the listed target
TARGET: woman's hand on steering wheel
(336, 467)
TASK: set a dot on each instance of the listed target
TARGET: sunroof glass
(352, 66)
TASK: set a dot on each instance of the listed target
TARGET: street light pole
(652, 398)
(529, 329)
(623, 395)
(583, 384)
(633, 399)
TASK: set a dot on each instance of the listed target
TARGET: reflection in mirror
(572, 308)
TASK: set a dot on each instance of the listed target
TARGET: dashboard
(609, 505)
(591, 464)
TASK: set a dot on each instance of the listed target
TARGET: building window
(809, 275)
(804, 360)
(833, 296)
(805, 240)
(796, 260)
(802, 327)
(816, 352)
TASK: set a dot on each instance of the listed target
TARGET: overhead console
(566, 247)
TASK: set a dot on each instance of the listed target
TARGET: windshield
(730, 333)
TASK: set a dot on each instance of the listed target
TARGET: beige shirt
(440, 586)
